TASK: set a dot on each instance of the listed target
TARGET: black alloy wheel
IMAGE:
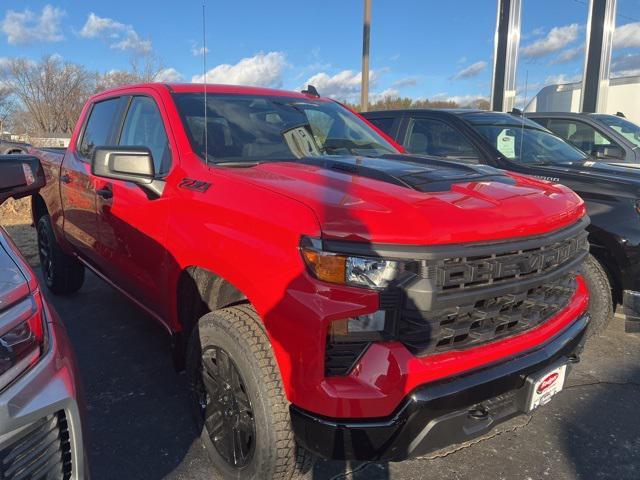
(226, 409)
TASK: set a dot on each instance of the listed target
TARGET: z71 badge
(196, 185)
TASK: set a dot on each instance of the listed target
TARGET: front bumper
(440, 413)
(631, 310)
(40, 416)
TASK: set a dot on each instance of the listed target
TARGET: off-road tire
(63, 274)
(239, 332)
(600, 297)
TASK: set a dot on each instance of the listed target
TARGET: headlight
(22, 338)
(349, 270)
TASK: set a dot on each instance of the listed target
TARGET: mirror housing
(604, 152)
(129, 164)
(20, 176)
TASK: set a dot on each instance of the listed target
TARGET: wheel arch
(200, 291)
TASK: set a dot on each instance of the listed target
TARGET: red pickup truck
(328, 296)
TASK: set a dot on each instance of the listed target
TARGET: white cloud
(406, 82)
(462, 100)
(118, 35)
(344, 85)
(557, 39)
(569, 55)
(626, 65)
(562, 79)
(168, 75)
(27, 27)
(472, 70)
(627, 36)
(198, 51)
(263, 70)
(383, 95)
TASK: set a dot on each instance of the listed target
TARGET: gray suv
(609, 138)
(40, 410)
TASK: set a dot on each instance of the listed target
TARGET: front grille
(40, 451)
(476, 271)
(485, 320)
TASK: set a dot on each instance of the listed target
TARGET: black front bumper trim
(442, 413)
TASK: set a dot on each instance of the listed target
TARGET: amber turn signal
(326, 267)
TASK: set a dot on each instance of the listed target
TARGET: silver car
(40, 406)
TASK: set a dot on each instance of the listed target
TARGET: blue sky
(419, 48)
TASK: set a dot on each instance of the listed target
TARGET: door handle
(105, 193)
(66, 178)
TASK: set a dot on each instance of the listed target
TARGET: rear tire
(600, 298)
(63, 274)
(236, 387)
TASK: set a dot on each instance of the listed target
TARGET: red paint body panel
(247, 227)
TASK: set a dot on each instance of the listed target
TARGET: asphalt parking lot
(139, 424)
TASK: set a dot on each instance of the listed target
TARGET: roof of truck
(211, 88)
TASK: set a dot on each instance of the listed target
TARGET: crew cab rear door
(132, 223)
(78, 186)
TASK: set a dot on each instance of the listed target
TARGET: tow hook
(479, 412)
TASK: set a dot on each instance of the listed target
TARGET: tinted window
(580, 134)
(624, 127)
(433, 137)
(143, 127)
(98, 128)
(529, 145)
(262, 128)
(384, 124)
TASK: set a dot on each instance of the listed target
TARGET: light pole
(366, 34)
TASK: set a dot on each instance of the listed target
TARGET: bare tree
(51, 91)
(7, 106)
(142, 68)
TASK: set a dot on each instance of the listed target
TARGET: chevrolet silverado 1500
(327, 295)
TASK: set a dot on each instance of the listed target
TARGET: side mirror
(20, 176)
(129, 164)
(604, 152)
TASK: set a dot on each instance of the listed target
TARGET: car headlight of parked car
(22, 338)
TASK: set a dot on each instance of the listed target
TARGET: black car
(610, 138)
(510, 142)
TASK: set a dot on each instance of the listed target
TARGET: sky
(431, 49)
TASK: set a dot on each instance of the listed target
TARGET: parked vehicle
(12, 148)
(40, 410)
(610, 138)
(611, 192)
(328, 295)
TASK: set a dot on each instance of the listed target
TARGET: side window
(143, 127)
(580, 134)
(426, 136)
(98, 128)
(384, 124)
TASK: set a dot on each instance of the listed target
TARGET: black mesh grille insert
(40, 451)
(485, 320)
(341, 356)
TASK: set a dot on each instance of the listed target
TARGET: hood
(417, 200)
(623, 178)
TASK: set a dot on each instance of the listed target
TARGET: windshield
(529, 145)
(251, 128)
(624, 127)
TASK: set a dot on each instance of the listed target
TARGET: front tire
(63, 274)
(600, 298)
(238, 399)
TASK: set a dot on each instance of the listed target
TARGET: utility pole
(366, 35)
(597, 64)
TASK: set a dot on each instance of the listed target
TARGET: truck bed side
(49, 199)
